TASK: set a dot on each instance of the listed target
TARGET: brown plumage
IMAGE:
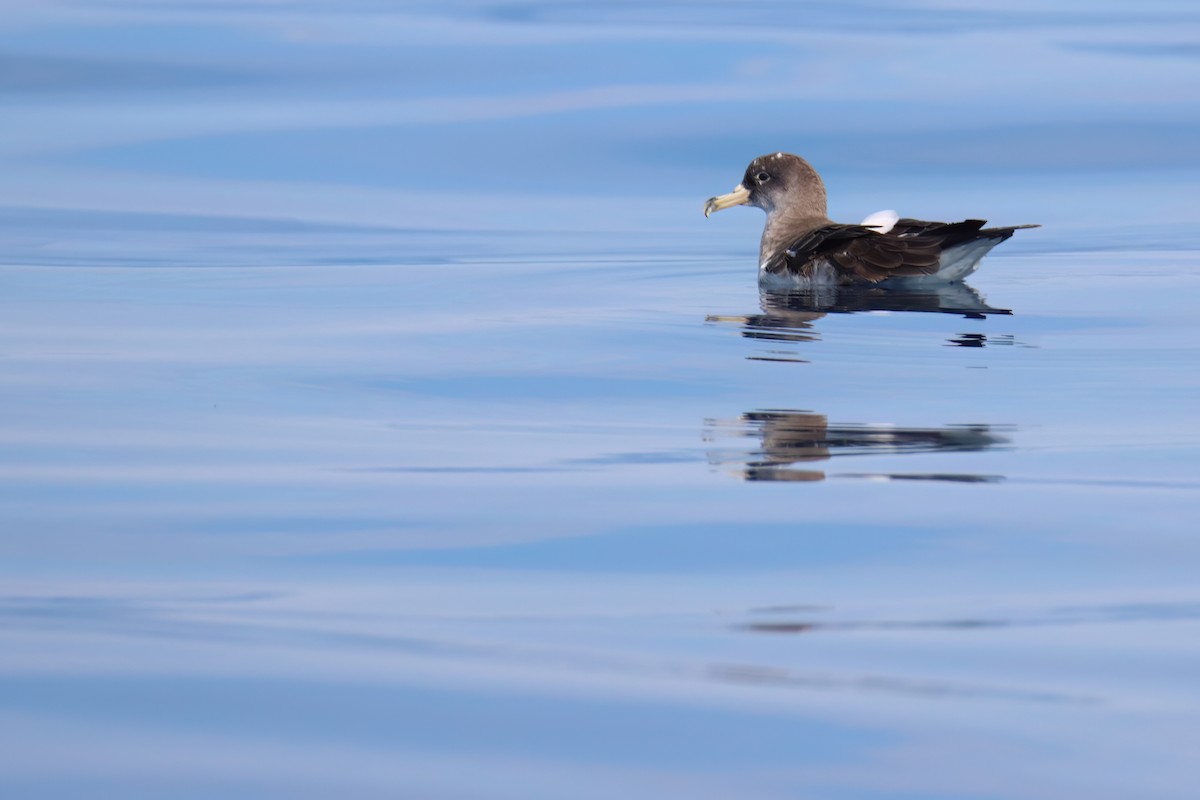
(801, 245)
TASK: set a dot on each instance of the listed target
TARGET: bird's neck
(783, 229)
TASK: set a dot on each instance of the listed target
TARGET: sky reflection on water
(381, 415)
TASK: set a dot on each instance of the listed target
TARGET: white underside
(956, 264)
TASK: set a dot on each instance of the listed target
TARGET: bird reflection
(943, 298)
(788, 438)
(788, 315)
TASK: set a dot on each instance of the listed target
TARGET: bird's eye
(762, 177)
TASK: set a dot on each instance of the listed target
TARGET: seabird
(801, 246)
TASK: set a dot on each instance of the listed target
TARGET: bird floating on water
(802, 247)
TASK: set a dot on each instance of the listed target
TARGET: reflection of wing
(790, 437)
(945, 298)
(788, 314)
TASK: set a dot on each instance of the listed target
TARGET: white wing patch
(881, 221)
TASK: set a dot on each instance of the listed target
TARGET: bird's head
(771, 181)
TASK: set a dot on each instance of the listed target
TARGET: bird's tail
(1004, 232)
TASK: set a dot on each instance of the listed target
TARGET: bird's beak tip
(739, 196)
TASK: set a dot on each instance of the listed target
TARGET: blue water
(381, 417)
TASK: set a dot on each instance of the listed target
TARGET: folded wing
(857, 253)
(860, 253)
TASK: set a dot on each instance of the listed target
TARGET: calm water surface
(382, 418)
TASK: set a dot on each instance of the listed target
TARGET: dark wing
(952, 233)
(858, 253)
(912, 247)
